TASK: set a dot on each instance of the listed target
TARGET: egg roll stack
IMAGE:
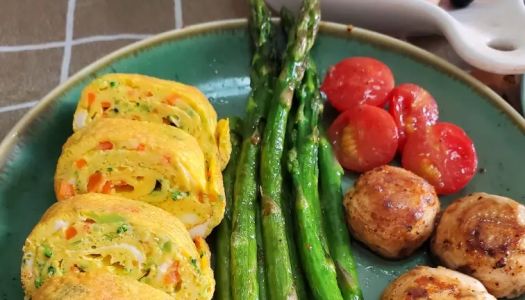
(144, 98)
(160, 165)
(94, 233)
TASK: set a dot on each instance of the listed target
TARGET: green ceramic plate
(215, 57)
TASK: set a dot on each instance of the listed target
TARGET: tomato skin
(412, 108)
(358, 80)
(443, 154)
(364, 137)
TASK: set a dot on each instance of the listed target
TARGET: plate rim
(331, 28)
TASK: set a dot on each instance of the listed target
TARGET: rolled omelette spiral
(144, 98)
(96, 285)
(161, 165)
(104, 233)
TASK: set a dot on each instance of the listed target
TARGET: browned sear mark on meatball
(417, 293)
(495, 235)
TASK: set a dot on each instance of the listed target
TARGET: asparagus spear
(245, 274)
(261, 274)
(277, 257)
(287, 23)
(332, 208)
(243, 239)
(222, 236)
(303, 164)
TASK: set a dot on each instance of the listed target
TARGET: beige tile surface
(198, 11)
(97, 17)
(9, 119)
(83, 55)
(32, 21)
(28, 75)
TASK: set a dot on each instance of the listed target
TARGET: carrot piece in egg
(108, 186)
(70, 232)
(173, 275)
(66, 190)
(91, 98)
(80, 163)
(171, 99)
(105, 105)
(105, 145)
(94, 182)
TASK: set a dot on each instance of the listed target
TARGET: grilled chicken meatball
(483, 236)
(435, 283)
(391, 210)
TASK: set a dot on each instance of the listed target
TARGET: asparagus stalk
(263, 294)
(332, 210)
(246, 276)
(303, 164)
(287, 23)
(243, 240)
(245, 283)
(331, 173)
(277, 257)
(222, 236)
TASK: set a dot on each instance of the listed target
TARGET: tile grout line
(18, 106)
(178, 14)
(30, 47)
(107, 38)
(66, 58)
(79, 41)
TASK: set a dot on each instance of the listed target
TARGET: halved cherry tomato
(443, 154)
(358, 80)
(412, 108)
(364, 137)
